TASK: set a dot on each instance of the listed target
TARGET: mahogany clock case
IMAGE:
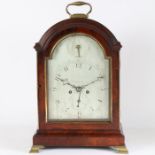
(78, 133)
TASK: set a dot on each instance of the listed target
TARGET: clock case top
(65, 129)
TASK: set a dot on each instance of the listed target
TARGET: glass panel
(78, 85)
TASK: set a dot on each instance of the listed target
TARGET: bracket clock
(78, 85)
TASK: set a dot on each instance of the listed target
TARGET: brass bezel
(110, 84)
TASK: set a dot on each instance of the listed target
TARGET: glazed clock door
(78, 80)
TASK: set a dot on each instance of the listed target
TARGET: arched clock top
(79, 25)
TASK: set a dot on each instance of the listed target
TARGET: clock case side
(75, 134)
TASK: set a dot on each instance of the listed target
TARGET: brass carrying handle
(79, 15)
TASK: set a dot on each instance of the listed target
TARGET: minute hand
(98, 78)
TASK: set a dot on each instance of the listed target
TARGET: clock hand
(78, 101)
(98, 78)
(80, 88)
(78, 48)
(62, 80)
(71, 85)
(77, 88)
(65, 82)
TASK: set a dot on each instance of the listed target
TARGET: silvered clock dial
(78, 82)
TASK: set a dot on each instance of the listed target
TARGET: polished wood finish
(73, 133)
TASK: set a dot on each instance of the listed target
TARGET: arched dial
(78, 84)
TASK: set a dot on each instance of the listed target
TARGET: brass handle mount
(79, 15)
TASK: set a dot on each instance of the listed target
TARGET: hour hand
(65, 82)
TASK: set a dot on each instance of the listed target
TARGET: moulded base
(96, 140)
(119, 149)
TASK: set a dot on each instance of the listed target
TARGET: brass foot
(36, 148)
(120, 149)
